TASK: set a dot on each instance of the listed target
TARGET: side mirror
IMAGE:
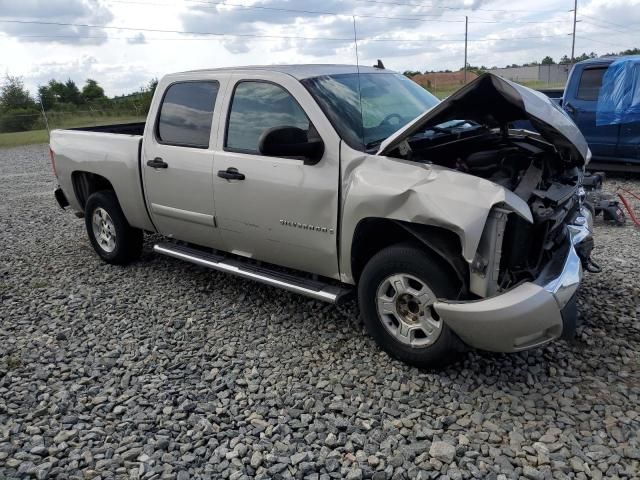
(285, 141)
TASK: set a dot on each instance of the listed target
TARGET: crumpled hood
(494, 101)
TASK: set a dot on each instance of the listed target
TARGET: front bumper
(529, 315)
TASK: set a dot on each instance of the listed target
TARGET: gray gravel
(166, 370)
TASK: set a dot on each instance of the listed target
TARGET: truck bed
(111, 152)
(136, 128)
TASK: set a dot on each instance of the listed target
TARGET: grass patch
(15, 139)
(444, 92)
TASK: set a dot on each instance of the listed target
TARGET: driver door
(276, 209)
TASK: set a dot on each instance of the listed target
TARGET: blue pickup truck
(602, 96)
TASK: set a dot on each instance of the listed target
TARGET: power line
(268, 37)
(582, 37)
(517, 38)
(444, 7)
(604, 21)
(602, 25)
(292, 10)
(203, 4)
(158, 30)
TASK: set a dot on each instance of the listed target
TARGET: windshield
(389, 102)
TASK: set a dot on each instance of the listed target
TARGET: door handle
(231, 173)
(157, 163)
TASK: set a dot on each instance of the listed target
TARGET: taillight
(53, 162)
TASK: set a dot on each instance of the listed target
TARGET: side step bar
(311, 288)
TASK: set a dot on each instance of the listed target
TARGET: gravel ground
(166, 370)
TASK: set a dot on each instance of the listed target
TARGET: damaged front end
(526, 270)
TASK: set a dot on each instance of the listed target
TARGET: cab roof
(298, 71)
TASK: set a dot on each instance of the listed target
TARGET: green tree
(92, 91)
(153, 84)
(587, 56)
(46, 97)
(547, 61)
(147, 95)
(56, 94)
(71, 93)
(13, 94)
(18, 111)
(58, 90)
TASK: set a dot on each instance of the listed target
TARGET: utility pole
(466, 32)
(573, 41)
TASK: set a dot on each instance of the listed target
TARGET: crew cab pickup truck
(615, 144)
(607, 113)
(329, 180)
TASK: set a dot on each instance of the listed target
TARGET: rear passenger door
(177, 161)
(283, 210)
(581, 108)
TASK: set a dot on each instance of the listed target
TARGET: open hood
(494, 101)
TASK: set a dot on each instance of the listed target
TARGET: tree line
(548, 60)
(20, 111)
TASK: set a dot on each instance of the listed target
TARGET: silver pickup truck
(453, 229)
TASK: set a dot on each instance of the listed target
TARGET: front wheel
(109, 232)
(396, 293)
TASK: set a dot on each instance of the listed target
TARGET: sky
(125, 43)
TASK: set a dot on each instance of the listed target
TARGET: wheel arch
(87, 183)
(373, 234)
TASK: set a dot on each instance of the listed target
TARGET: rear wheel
(109, 232)
(396, 293)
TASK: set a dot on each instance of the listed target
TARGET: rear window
(590, 83)
(186, 114)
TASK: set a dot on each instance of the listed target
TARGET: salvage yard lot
(164, 369)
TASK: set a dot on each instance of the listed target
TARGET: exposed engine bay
(528, 166)
(470, 132)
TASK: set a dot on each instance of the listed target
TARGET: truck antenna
(44, 115)
(355, 42)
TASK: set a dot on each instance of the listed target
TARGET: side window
(186, 114)
(590, 83)
(256, 107)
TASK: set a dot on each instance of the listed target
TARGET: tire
(430, 342)
(111, 236)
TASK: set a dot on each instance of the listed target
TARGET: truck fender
(446, 245)
(422, 195)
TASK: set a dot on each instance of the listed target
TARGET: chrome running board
(311, 288)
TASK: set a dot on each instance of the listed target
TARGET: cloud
(327, 26)
(137, 39)
(230, 19)
(115, 78)
(427, 35)
(236, 45)
(269, 17)
(56, 11)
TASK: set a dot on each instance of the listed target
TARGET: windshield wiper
(374, 143)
